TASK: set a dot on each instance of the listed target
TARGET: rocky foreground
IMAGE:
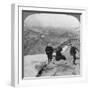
(55, 68)
(60, 69)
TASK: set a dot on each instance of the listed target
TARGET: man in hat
(73, 51)
(49, 52)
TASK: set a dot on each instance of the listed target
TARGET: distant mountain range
(34, 43)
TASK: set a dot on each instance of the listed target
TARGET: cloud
(55, 21)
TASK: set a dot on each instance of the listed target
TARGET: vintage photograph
(51, 43)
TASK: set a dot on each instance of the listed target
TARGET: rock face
(37, 66)
(31, 62)
(61, 70)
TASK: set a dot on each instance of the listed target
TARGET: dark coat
(73, 50)
(59, 55)
(49, 51)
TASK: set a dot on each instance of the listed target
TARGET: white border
(16, 78)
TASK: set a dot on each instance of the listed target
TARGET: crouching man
(59, 55)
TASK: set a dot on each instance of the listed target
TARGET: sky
(49, 20)
(27, 13)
